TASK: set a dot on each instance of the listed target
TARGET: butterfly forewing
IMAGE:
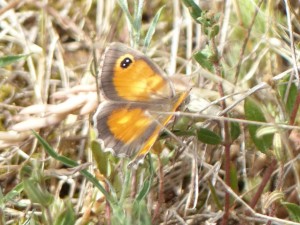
(135, 77)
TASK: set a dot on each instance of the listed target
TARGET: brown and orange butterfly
(135, 90)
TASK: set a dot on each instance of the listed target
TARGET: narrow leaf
(101, 158)
(71, 163)
(13, 193)
(233, 177)
(235, 130)
(124, 6)
(193, 8)
(208, 137)
(291, 96)
(67, 216)
(7, 60)
(138, 13)
(152, 27)
(144, 191)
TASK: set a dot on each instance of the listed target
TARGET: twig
(264, 182)
(11, 5)
(227, 138)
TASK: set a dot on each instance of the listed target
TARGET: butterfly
(128, 121)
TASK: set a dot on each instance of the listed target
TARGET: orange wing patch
(128, 125)
(138, 81)
(151, 140)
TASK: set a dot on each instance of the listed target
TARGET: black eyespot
(126, 62)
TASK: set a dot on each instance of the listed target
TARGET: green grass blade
(194, 9)
(7, 60)
(138, 13)
(13, 193)
(124, 6)
(152, 27)
(71, 163)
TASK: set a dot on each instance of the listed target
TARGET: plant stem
(227, 138)
(263, 184)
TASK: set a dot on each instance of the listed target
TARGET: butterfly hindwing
(124, 129)
(128, 129)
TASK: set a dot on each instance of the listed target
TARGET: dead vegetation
(235, 158)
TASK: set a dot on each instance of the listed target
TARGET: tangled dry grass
(250, 51)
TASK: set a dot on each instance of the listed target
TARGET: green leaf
(233, 177)
(214, 31)
(193, 8)
(102, 159)
(137, 19)
(36, 193)
(182, 123)
(144, 191)
(7, 60)
(130, 20)
(208, 137)
(124, 6)
(32, 183)
(254, 113)
(293, 210)
(215, 196)
(152, 27)
(204, 59)
(13, 193)
(147, 184)
(67, 216)
(235, 130)
(289, 104)
(138, 13)
(140, 214)
(205, 22)
(69, 162)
